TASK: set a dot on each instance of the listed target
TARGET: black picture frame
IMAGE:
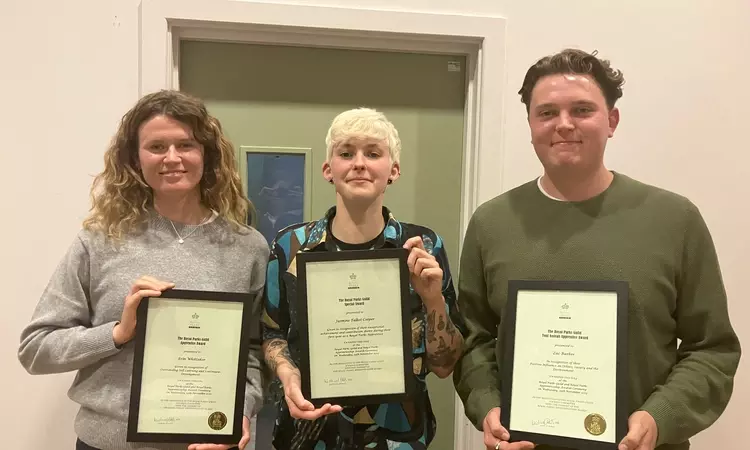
(621, 395)
(133, 434)
(305, 258)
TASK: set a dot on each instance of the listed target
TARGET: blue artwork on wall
(276, 186)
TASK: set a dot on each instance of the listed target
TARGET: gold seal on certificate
(564, 367)
(217, 420)
(355, 326)
(189, 368)
(595, 424)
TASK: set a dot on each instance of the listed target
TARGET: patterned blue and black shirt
(391, 426)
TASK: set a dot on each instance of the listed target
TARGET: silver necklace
(181, 239)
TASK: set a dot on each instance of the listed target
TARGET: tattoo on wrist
(285, 356)
(277, 352)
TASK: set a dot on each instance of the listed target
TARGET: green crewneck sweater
(655, 240)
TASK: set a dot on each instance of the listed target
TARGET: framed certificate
(564, 379)
(189, 368)
(355, 326)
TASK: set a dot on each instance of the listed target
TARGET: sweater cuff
(481, 401)
(249, 410)
(664, 415)
(253, 400)
(100, 340)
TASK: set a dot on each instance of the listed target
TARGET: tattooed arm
(444, 342)
(276, 323)
(276, 353)
(277, 356)
(431, 279)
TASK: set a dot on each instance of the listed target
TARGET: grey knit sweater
(71, 328)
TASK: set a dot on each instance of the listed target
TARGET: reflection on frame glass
(276, 180)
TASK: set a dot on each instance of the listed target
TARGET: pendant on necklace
(181, 241)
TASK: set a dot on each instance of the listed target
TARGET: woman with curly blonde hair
(168, 204)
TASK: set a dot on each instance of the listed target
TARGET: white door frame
(162, 23)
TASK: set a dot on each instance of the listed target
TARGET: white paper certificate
(355, 328)
(565, 364)
(191, 350)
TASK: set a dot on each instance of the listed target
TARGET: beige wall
(69, 70)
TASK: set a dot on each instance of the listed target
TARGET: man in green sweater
(581, 221)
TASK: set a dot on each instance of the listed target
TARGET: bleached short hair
(363, 123)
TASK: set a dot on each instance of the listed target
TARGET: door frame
(163, 23)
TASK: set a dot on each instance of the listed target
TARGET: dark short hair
(570, 61)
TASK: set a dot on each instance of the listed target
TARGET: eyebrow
(161, 139)
(555, 105)
(369, 146)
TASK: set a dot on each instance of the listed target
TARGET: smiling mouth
(173, 172)
(566, 142)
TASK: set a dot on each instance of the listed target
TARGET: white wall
(69, 70)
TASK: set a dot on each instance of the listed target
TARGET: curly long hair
(120, 196)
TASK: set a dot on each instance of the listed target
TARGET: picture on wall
(276, 185)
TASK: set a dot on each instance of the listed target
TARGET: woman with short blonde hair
(363, 159)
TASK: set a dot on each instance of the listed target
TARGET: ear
(395, 171)
(326, 169)
(614, 120)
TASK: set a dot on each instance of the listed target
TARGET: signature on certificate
(546, 422)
